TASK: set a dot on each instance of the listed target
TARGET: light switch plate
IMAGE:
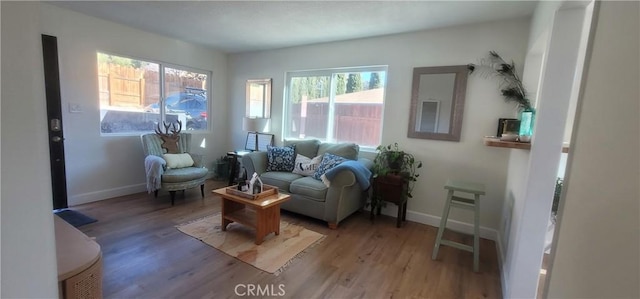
(75, 108)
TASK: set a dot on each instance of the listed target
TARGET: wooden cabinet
(391, 188)
(79, 262)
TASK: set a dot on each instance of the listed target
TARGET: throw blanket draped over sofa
(346, 191)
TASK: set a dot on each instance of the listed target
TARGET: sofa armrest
(366, 162)
(343, 197)
(255, 162)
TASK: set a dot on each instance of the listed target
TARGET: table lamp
(254, 125)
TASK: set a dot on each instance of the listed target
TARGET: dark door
(54, 120)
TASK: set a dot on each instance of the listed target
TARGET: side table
(391, 188)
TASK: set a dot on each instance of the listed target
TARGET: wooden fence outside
(353, 122)
(126, 86)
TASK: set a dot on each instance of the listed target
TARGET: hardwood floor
(145, 256)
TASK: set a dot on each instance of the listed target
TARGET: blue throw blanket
(359, 170)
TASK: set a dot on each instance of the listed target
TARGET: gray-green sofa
(310, 196)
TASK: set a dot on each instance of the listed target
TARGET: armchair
(159, 176)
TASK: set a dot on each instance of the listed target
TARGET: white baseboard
(104, 194)
(485, 232)
(113, 192)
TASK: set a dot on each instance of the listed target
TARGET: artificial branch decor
(511, 85)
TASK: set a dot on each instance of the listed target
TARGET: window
(259, 98)
(131, 93)
(336, 105)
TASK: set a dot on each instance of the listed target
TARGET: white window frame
(163, 96)
(331, 73)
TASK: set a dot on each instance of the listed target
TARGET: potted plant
(393, 167)
(556, 199)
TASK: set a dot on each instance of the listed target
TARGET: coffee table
(261, 214)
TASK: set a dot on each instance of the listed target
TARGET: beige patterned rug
(271, 256)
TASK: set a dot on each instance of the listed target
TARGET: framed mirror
(258, 98)
(437, 102)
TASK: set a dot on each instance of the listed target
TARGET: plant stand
(390, 188)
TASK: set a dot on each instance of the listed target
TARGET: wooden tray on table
(268, 190)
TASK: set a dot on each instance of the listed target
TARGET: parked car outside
(192, 102)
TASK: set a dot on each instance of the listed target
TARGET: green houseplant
(394, 164)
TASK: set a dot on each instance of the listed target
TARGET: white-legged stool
(465, 203)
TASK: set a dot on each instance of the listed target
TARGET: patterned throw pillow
(328, 161)
(280, 158)
(305, 165)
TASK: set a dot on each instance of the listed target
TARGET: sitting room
(318, 149)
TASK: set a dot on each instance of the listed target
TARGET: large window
(137, 95)
(337, 105)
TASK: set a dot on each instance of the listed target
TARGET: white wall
(468, 159)
(100, 167)
(28, 244)
(511, 217)
(532, 175)
(597, 252)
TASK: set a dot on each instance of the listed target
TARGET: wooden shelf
(496, 142)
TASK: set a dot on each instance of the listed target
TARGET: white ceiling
(242, 26)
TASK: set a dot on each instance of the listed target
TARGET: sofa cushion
(280, 179)
(308, 147)
(179, 175)
(280, 158)
(346, 150)
(328, 161)
(305, 165)
(309, 187)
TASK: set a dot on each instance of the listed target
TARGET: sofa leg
(202, 190)
(155, 193)
(173, 197)
(333, 225)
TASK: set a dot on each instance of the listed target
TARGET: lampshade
(253, 124)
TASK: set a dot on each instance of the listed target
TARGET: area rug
(238, 241)
(74, 218)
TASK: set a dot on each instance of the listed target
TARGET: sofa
(345, 194)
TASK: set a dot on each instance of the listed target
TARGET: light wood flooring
(145, 256)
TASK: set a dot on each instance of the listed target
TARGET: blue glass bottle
(527, 117)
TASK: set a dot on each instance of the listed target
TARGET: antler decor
(170, 141)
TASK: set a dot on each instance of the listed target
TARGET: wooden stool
(465, 203)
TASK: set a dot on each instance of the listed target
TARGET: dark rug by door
(74, 218)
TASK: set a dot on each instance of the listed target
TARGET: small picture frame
(264, 140)
(508, 125)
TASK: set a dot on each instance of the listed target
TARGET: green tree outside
(354, 83)
(374, 81)
(341, 84)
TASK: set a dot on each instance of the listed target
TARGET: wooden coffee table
(261, 214)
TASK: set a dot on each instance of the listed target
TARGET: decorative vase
(527, 118)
